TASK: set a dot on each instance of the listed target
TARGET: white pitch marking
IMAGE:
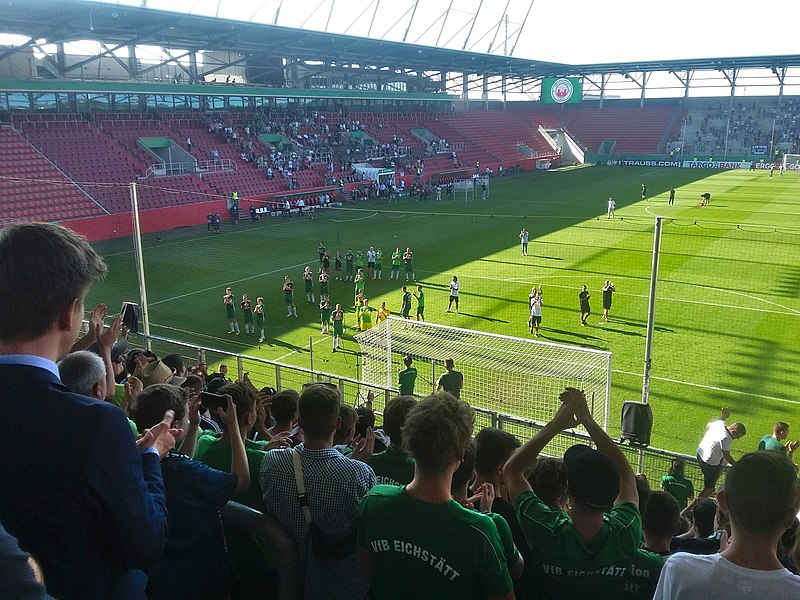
(229, 283)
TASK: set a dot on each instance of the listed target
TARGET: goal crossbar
(516, 376)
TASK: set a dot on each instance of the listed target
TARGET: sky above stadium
(581, 31)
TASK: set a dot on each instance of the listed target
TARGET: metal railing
(652, 462)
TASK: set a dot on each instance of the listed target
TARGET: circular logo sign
(561, 91)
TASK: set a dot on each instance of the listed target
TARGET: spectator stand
(653, 462)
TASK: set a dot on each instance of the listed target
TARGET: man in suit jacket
(76, 491)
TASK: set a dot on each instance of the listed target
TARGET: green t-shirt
(348, 258)
(379, 259)
(452, 382)
(642, 577)
(770, 443)
(396, 259)
(564, 565)
(407, 378)
(248, 555)
(506, 539)
(420, 302)
(679, 487)
(392, 466)
(422, 550)
(406, 302)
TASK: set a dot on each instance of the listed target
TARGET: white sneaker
(448, 310)
(456, 311)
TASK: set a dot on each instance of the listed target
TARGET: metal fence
(652, 462)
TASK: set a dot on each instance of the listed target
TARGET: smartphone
(212, 402)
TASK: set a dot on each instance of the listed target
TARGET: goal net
(791, 162)
(515, 376)
(463, 190)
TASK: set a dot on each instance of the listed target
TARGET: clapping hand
(363, 447)
(484, 496)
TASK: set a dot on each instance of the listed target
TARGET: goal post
(791, 162)
(463, 190)
(515, 376)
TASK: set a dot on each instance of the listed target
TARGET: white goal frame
(791, 162)
(463, 190)
(515, 376)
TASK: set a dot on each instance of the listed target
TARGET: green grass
(728, 290)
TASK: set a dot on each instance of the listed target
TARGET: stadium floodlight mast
(515, 376)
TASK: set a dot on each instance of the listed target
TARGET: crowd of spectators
(742, 126)
(117, 463)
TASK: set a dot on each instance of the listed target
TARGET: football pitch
(728, 295)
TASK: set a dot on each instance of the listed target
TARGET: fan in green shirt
(407, 377)
(676, 484)
(250, 558)
(775, 443)
(415, 541)
(394, 466)
(586, 555)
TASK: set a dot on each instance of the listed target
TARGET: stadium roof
(73, 20)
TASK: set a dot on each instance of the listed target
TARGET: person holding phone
(194, 563)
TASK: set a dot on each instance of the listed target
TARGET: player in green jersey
(247, 312)
(348, 263)
(338, 326)
(325, 314)
(359, 282)
(308, 279)
(288, 294)
(230, 311)
(324, 284)
(408, 259)
(420, 296)
(258, 310)
(395, 272)
(378, 264)
(359, 260)
(406, 307)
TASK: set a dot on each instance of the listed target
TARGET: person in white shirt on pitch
(715, 449)
(611, 207)
(454, 285)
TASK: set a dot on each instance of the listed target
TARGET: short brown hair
(493, 447)
(760, 490)
(284, 406)
(394, 417)
(318, 410)
(436, 432)
(150, 406)
(243, 396)
(43, 268)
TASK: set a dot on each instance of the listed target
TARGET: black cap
(592, 476)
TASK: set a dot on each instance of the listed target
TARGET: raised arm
(605, 445)
(106, 339)
(239, 464)
(514, 470)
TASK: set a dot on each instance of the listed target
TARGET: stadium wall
(158, 219)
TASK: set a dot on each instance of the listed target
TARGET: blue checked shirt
(335, 485)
